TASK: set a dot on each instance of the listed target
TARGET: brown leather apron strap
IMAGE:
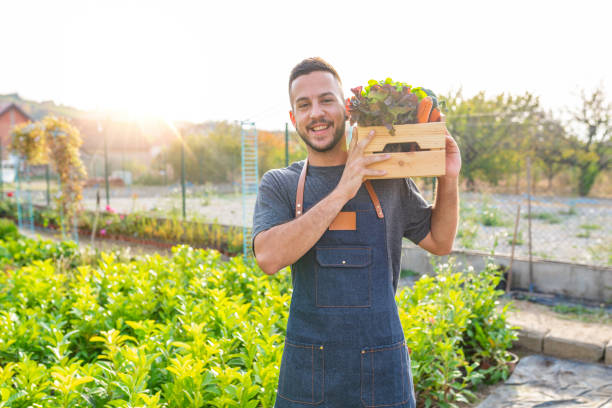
(374, 199)
(299, 197)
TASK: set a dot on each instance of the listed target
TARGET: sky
(230, 60)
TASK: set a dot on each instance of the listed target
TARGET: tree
(492, 133)
(593, 145)
(214, 154)
(57, 141)
(550, 145)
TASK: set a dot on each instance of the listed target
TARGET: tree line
(496, 135)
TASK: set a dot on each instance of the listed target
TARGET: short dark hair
(310, 65)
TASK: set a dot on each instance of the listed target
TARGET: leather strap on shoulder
(374, 198)
(299, 198)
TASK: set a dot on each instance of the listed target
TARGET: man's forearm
(445, 213)
(284, 244)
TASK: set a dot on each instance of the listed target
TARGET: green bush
(8, 209)
(8, 230)
(457, 337)
(193, 330)
(22, 251)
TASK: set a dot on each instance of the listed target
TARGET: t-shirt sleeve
(418, 216)
(272, 206)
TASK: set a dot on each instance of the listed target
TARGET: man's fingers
(375, 158)
(373, 172)
(353, 141)
(365, 141)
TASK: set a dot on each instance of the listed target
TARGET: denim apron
(345, 345)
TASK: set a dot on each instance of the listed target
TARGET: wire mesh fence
(556, 227)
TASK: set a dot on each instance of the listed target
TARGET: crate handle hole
(402, 148)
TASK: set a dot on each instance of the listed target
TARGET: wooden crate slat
(427, 135)
(428, 163)
(412, 164)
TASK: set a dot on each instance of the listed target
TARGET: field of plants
(89, 329)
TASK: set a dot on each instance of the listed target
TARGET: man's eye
(329, 100)
(302, 105)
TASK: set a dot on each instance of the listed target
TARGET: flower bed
(140, 228)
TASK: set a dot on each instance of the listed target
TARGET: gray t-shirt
(407, 214)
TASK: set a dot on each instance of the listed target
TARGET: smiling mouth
(320, 127)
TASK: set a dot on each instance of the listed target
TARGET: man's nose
(316, 111)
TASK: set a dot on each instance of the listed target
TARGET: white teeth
(316, 128)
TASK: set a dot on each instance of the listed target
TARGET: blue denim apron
(345, 345)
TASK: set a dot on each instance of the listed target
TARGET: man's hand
(356, 167)
(453, 157)
(445, 211)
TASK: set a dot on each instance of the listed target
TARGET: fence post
(183, 175)
(18, 191)
(529, 223)
(1, 176)
(286, 144)
(29, 195)
(48, 182)
(106, 170)
(516, 223)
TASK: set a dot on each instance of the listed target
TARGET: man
(344, 345)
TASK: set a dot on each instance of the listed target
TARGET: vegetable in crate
(387, 103)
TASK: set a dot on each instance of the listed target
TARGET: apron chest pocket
(385, 376)
(343, 276)
(302, 373)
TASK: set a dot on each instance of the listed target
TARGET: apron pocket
(343, 276)
(302, 373)
(385, 380)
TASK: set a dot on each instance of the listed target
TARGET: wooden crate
(428, 162)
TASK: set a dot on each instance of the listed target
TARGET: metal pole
(183, 175)
(19, 218)
(529, 222)
(1, 177)
(286, 144)
(29, 194)
(516, 223)
(48, 185)
(106, 170)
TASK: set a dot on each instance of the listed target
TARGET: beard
(337, 136)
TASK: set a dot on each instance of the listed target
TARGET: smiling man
(342, 236)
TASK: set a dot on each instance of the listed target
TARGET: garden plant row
(135, 227)
(195, 330)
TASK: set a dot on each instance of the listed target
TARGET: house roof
(5, 106)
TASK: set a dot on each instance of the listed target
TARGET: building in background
(10, 115)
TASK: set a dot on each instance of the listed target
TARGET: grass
(601, 251)
(406, 273)
(492, 217)
(546, 217)
(587, 228)
(467, 233)
(582, 313)
(570, 211)
(564, 311)
(519, 238)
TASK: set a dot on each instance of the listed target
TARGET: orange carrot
(424, 109)
(434, 116)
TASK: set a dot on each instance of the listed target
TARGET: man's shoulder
(284, 176)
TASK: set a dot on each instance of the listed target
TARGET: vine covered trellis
(54, 141)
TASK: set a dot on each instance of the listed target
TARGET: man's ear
(292, 117)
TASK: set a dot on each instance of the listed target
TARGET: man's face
(318, 110)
